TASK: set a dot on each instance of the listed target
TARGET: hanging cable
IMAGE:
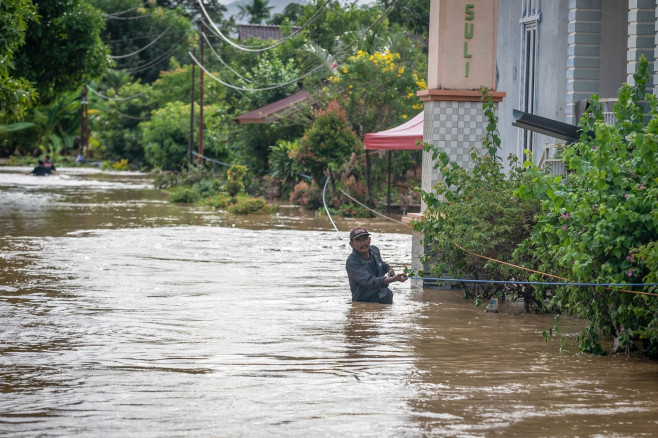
(283, 84)
(118, 13)
(114, 98)
(110, 17)
(127, 116)
(324, 202)
(156, 61)
(212, 49)
(255, 48)
(143, 48)
(368, 208)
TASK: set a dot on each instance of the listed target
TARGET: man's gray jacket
(365, 285)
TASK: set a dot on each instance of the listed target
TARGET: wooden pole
(368, 179)
(190, 144)
(84, 124)
(388, 204)
(201, 99)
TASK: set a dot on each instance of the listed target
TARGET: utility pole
(201, 98)
(191, 142)
(84, 124)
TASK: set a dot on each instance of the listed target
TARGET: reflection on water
(125, 315)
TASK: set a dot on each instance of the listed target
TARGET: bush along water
(599, 223)
(210, 192)
(475, 210)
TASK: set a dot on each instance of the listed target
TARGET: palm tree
(258, 11)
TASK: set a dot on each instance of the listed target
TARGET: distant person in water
(47, 163)
(42, 170)
(369, 275)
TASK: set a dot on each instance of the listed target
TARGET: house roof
(273, 111)
(262, 31)
(403, 136)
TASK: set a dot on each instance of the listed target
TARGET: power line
(261, 49)
(155, 61)
(143, 48)
(212, 49)
(102, 96)
(118, 13)
(331, 59)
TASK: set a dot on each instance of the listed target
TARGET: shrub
(184, 194)
(235, 181)
(220, 201)
(307, 196)
(327, 144)
(476, 211)
(165, 137)
(352, 210)
(249, 205)
(602, 217)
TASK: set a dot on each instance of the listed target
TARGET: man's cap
(358, 232)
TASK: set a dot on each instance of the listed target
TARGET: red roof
(400, 137)
(273, 111)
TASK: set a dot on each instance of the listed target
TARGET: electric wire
(374, 211)
(111, 17)
(610, 286)
(153, 62)
(210, 159)
(212, 49)
(324, 202)
(118, 13)
(143, 48)
(127, 116)
(102, 96)
(329, 60)
(255, 48)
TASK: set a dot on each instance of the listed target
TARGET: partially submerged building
(540, 57)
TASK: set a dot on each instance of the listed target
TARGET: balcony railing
(549, 158)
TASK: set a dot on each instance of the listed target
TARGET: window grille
(531, 16)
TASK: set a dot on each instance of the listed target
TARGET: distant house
(262, 31)
(274, 111)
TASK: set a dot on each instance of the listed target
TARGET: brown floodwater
(124, 315)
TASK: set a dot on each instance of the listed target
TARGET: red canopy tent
(405, 136)
(400, 137)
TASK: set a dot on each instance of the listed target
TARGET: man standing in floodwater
(369, 275)
(41, 170)
(48, 164)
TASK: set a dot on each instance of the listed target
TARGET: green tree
(16, 93)
(63, 50)
(116, 120)
(165, 137)
(339, 24)
(251, 142)
(377, 90)
(192, 10)
(411, 14)
(257, 11)
(145, 40)
(291, 13)
(327, 145)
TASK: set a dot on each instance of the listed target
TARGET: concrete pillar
(655, 57)
(461, 59)
(641, 35)
(584, 54)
